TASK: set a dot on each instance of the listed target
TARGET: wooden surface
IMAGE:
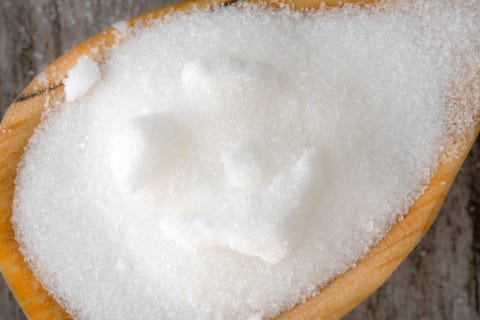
(438, 281)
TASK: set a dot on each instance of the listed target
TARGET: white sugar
(81, 78)
(121, 26)
(226, 164)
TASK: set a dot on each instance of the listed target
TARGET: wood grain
(439, 281)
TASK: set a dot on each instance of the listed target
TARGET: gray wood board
(439, 280)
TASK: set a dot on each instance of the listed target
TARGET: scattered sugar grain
(226, 164)
(121, 26)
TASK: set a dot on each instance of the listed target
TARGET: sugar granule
(226, 164)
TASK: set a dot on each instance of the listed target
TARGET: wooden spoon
(335, 300)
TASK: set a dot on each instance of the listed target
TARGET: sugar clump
(83, 76)
(232, 161)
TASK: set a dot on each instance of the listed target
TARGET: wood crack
(25, 97)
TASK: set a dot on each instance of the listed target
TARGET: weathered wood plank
(440, 280)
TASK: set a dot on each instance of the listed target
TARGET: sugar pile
(225, 164)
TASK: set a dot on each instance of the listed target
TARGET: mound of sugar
(226, 163)
(146, 149)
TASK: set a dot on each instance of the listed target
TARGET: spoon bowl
(336, 299)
